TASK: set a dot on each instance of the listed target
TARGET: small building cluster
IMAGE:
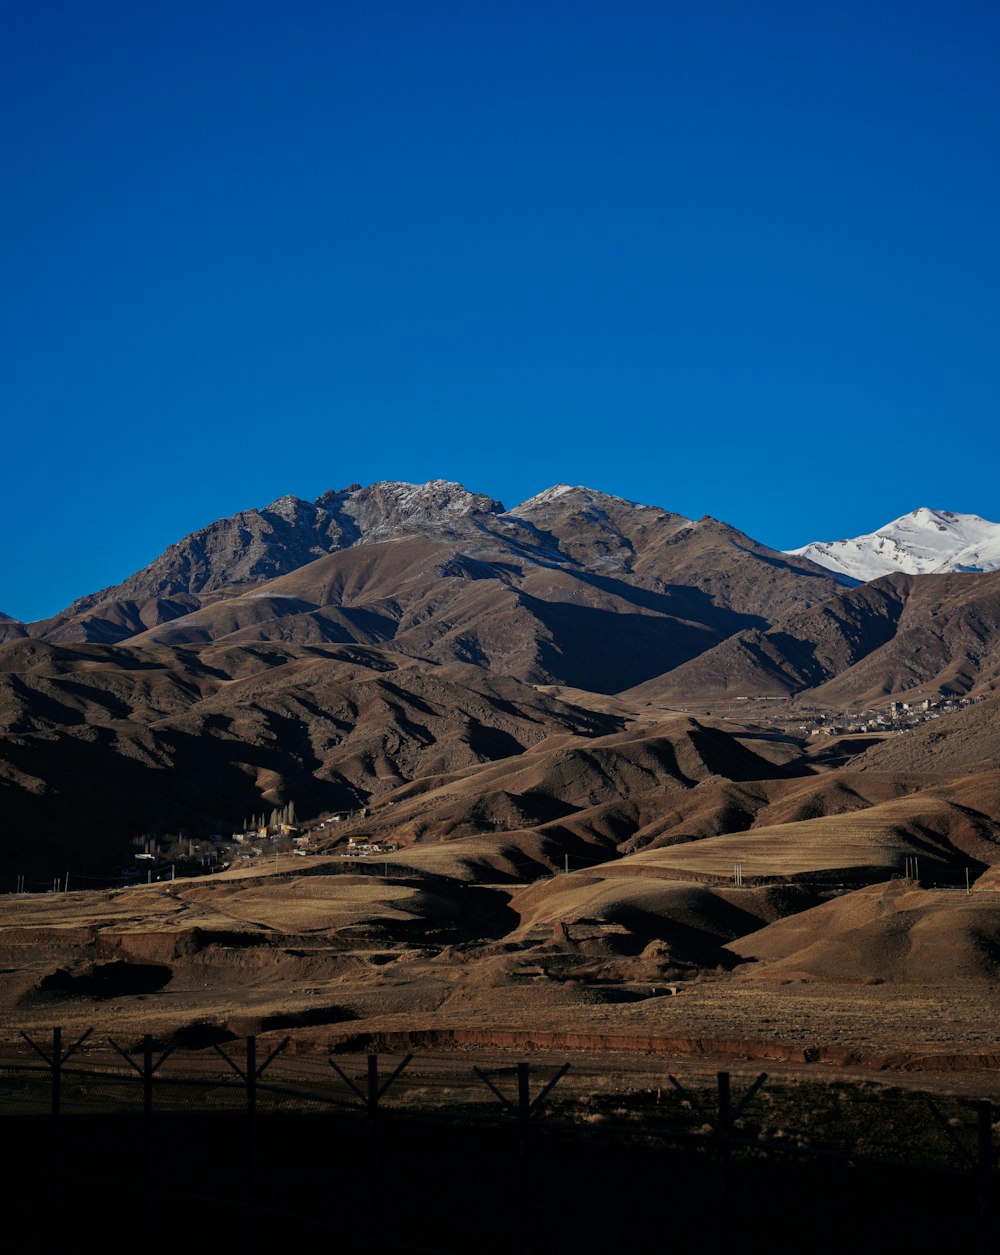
(895, 717)
(363, 847)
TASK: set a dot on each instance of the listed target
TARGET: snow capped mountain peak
(923, 542)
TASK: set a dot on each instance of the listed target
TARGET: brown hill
(903, 633)
(11, 628)
(882, 933)
(102, 742)
(573, 587)
(587, 916)
(858, 845)
(565, 797)
(684, 799)
(442, 668)
(959, 743)
(429, 601)
(665, 552)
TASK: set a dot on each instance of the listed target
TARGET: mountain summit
(922, 543)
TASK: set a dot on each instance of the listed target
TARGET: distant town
(893, 716)
(897, 716)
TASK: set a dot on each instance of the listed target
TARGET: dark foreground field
(596, 1167)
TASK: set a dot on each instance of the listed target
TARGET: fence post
(725, 1131)
(250, 1078)
(56, 1061)
(147, 1125)
(146, 1073)
(984, 1157)
(371, 1105)
(147, 1079)
(536, 1216)
(525, 1104)
(523, 1108)
(250, 1083)
(55, 1144)
(54, 1064)
(249, 1075)
(370, 1099)
(722, 1127)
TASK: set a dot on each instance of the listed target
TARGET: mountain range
(335, 651)
(445, 574)
(573, 588)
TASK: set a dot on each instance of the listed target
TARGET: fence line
(143, 1082)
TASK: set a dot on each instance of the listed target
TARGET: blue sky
(728, 258)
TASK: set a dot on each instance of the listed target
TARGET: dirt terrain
(658, 891)
(890, 977)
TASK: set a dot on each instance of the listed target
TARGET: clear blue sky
(728, 258)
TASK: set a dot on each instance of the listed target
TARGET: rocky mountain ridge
(557, 570)
(572, 587)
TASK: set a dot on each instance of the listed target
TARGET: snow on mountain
(575, 496)
(392, 508)
(922, 543)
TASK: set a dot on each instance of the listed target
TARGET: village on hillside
(897, 716)
(784, 714)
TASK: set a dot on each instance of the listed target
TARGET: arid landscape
(500, 628)
(523, 819)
